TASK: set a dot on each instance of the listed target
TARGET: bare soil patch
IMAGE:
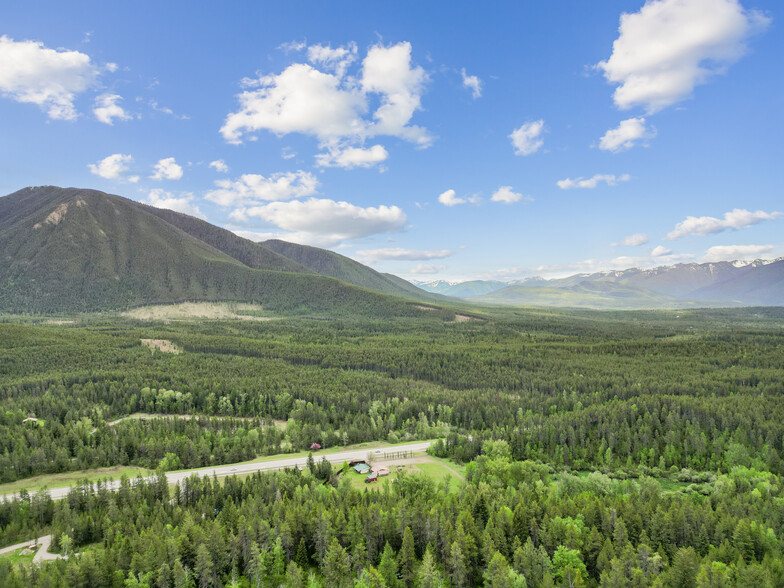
(161, 345)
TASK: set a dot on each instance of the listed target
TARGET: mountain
(725, 283)
(334, 265)
(588, 294)
(462, 289)
(75, 250)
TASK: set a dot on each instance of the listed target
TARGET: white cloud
(388, 72)
(632, 240)
(252, 188)
(626, 135)
(324, 221)
(660, 250)
(528, 138)
(288, 153)
(336, 60)
(733, 252)
(448, 198)
(184, 203)
(426, 269)
(351, 157)
(617, 263)
(292, 46)
(219, 166)
(167, 169)
(332, 107)
(670, 46)
(398, 253)
(111, 167)
(706, 225)
(32, 73)
(609, 179)
(472, 83)
(507, 196)
(106, 109)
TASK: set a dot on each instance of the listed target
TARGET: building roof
(362, 468)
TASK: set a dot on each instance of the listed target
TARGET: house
(381, 470)
(362, 468)
(371, 478)
(315, 446)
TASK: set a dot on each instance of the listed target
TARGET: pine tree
(337, 566)
(406, 558)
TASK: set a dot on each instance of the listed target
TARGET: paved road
(43, 550)
(249, 468)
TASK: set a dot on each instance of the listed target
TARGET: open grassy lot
(71, 478)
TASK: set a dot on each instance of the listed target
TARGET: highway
(380, 453)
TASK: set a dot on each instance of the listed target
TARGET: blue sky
(429, 139)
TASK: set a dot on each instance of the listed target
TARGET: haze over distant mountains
(724, 283)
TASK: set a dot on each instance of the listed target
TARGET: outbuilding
(362, 468)
(381, 470)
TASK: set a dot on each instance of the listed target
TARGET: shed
(315, 446)
(371, 478)
(381, 470)
(362, 468)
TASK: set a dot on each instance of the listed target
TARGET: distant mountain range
(725, 283)
(74, 250)
(67, 250)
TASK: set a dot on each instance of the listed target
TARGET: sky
(433, 140)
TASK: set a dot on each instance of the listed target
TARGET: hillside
(334, 265)
(584, 295)
(75, 250)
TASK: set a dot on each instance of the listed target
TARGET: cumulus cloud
(167, 169)
(472, 83)
(660, 250)
(336, 60)
(107, 108)
(219, 166)
(448, 198)
(628, 133)
(632, 240)
(252, 188)
(527, 139)
(735, 252)
(609, 179)
(398, 253)
(351, 157)
(670, 46)
(706, 225)
(184, 203)
(32, 73)
(506, 195)
(323, 221)
(331, 106)
(111, 167)
(426, 269)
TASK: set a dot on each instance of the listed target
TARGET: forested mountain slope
(329, 263)
(75, 250)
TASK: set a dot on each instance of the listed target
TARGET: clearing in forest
(198, 310)
(161, 345)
